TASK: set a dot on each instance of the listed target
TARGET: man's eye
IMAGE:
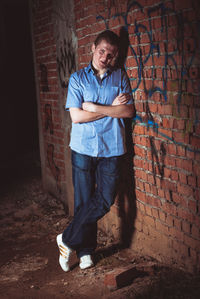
(110, 56)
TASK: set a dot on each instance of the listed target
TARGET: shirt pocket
(90, 94)
(111, 93)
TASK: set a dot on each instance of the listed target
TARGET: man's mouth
(103, 63)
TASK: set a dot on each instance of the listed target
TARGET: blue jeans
(95, 181)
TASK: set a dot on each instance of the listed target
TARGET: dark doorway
(18, 112)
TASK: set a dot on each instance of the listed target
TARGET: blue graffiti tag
(181, 69)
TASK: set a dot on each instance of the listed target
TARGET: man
(99, 97)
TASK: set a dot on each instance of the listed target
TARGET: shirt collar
(91, 69)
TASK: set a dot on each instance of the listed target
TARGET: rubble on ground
(30, 221)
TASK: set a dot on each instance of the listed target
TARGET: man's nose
(105, 57)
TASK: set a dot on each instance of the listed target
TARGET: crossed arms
(91, 111)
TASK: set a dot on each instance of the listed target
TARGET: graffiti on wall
(150, 43)
(48, 118)
(66, 62)
(44, 78)
(50, 147)
(63, 13)
(54, 169)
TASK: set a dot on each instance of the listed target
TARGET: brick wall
(163, 66)
(54, 45)
(157, 210)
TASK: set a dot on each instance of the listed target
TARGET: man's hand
(121, 99)
(89, 106)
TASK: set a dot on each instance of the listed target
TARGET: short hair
(109, 36)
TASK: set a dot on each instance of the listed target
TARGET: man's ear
(93, 47)
(113, 62)
(116, 54)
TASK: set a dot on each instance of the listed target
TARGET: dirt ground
(30, 221)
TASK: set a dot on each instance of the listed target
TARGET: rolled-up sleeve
(74, 96)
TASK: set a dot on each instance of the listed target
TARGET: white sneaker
(85, 262)
(65, 253)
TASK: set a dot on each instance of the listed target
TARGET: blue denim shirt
(104, 137)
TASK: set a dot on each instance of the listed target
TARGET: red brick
(149, 220)
(161, 193)
(162, 215)
(185, 214)
(138, 129)
(169, 161)
(139, 107)
(177, 223)
(198, 181)
(154, 201)
(179, 199)
(176, 234)
(148, 210)
(140, 195)
(120, 277)
(163, 228)
(169, 173)
(147, 187)
(169, 220)
(170, 208)
(139, 184)
(180, 137)
(153, 107)
(141, 207)
(60, 164)
(150, 178)
(195, 141)
(182, 178)
(141, 174)
(197, 129)
(166, 132)
(138, 224)
(171, 149)
(184, 164)
(191, 242)
(180, 248)
(140, 151)
(155, 213)
(169, 185)
(196, 169)
(195, 231)
(192, 205)
(154, 190)
(186, 227)
(179, 124)
(145, 229)
(165, 109)
(184, 189)
(181, 151)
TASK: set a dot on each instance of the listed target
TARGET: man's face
(103, 54)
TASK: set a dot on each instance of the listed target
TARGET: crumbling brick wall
(54, 47)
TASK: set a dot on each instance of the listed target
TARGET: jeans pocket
(111, 166)
(81, 161)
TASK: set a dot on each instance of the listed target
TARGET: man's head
(109, 36)
(105, 49)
